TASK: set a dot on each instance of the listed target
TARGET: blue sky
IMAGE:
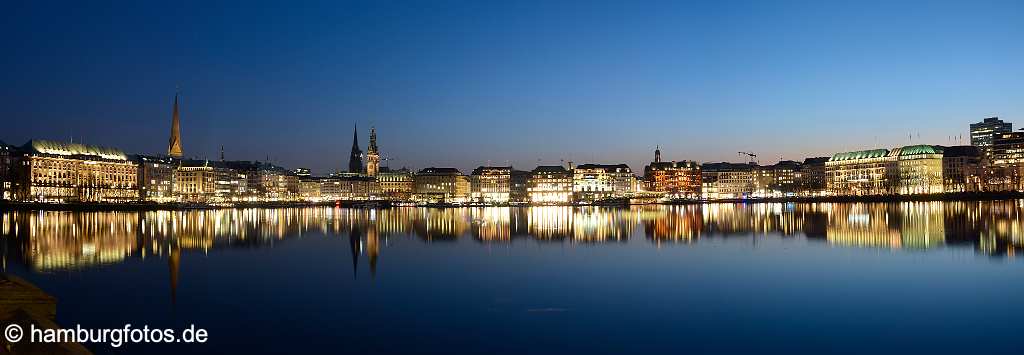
(464, 83)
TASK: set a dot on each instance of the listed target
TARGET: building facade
(52, 171)
(519, 191)
(810, 178)
(491, 184)
(727, 180)
(156, 178)
(673, 179)
(205, 181)
(983, 133)
(962, 169)
(446, 185)
(908, 170)
(1005, 168)
(595, 182)
(309, 188)
(396, 185)
(918, 169)
(350, 187)
(550, 185)
(859, 173)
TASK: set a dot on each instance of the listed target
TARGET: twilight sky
(464, 83)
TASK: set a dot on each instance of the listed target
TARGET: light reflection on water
(71, 240)
(719, 278)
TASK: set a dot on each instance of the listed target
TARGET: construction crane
(753, 157)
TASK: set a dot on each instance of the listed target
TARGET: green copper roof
(862, 154)
(916, 150)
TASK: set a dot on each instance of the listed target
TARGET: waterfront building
(673, 179)
(779, 179)
(491, 184)
(208, 181)
(519, 189)
(594, 182)
(8, 155)
(174, 143)
(309, 188)
(54, 171)
(810, 177)
(372, 155)
(396, 185)
(865, 172)
(962, 169)
(918, 169)
(908, 170)
(1005, 169)
(355, 158)
(727, 180)
(350, 187)
(156, 178)
(441, 185)
(550, 185)
(983, 133)
(266, 181)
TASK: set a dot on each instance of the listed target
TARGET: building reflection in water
(47, 241)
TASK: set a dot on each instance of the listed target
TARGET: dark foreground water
(724, 278)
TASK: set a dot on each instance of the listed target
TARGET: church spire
(372, 155)
(174, 144)
(355, 159)
(657, 154)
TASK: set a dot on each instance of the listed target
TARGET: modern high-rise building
(1005, 166)
(355, 159)
(982, 133)
(174, 144)
(372, 155)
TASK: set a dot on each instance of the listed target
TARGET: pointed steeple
(372, 149)
(174, 144)
(372, 155)
(355, 159)
(657, 154)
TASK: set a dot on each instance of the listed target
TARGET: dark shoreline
(961, 196)
(152, 206)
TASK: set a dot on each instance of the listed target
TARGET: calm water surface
(721, 278)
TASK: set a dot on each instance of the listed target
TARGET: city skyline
(513, 83)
